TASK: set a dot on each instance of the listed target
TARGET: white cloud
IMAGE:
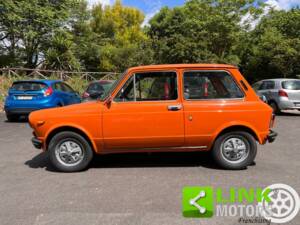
(103, 2)
(148, 17)
(275, 4)
(283, 4)
(153, 7)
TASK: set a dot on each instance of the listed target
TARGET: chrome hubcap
(69, 153)
(234, 150)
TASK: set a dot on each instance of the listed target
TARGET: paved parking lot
(129, 188)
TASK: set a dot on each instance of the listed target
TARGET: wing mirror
(263, 98)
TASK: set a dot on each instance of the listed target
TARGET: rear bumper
(288, 104)
(20, 110)
(36, 142)
(272, 136)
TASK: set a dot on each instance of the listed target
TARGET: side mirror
(263, 98)
(95, 95)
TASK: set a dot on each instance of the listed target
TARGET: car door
(145, 113)
(60, 94)
(70, 95)
(211, 99)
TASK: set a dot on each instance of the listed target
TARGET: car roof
(279, 79)
(180, 66)
(39, 81)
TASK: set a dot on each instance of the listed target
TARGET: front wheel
(70, 152)
(235, 150)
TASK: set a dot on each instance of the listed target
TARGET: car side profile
(30, 95)
(280, 94)
(184, 107)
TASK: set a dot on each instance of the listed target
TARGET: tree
(275, 46)
(60, 54)
(124, 42)
(25, 26)
(201, 31)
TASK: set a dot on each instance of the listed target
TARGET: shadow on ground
(136, 160)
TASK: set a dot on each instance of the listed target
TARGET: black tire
(76, 138)
(12, 118)
(223, 161)
(275, 107)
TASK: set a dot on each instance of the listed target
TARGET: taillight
(85, 95)
(282, 93)
(48, 92)
(272, 122)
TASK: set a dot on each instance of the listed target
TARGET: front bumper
(272, 136)
(36, 142)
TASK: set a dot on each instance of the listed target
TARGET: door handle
(174, 107)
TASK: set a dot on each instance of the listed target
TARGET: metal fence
(56, 74)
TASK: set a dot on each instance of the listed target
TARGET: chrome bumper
(36, 143)
(272, 136)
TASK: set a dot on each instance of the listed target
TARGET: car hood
(83, 109)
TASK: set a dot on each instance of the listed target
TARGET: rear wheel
(275, 107)
(70, 152)
(235, 150)
(11, 117)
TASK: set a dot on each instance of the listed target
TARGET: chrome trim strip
(186, 147)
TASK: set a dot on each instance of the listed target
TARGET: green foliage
(28, 25)
(60, 55)
(67, 35)
(274, 46)
(124, 42)
(200, 31)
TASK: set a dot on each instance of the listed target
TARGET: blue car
(30, 95)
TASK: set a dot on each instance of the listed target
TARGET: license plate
(24, 97)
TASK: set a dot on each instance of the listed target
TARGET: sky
(151, 7)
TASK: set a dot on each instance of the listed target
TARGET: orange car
(187, 107)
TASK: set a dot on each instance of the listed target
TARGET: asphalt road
(129, 188)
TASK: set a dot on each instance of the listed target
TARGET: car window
(210, 85)
(291, 85)
(256, 86)
(266, 85)
(28, 86)
(58, 86)
(99, 87)
(150, 86)
(67, 88)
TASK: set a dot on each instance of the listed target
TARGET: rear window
(291, 85)
(28, 86)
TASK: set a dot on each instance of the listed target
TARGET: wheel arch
(77, 130)
(239, 127)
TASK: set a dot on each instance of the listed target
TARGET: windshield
(291, 85)
(112, 88)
